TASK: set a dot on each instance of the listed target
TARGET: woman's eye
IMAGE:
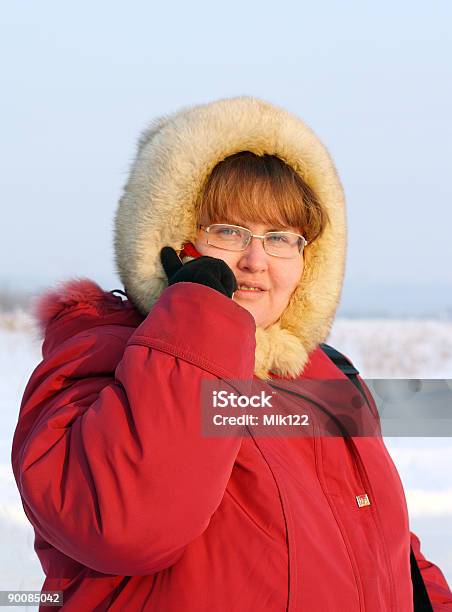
(278, 238)
(228, 231)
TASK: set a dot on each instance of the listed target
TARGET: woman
(133, 507)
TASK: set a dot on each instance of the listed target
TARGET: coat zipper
(364, 477)
(365, 482)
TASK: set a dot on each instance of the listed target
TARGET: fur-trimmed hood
(175, 156)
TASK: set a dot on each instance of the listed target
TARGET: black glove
(204, 270)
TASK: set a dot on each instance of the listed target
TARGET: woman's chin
(250, 306)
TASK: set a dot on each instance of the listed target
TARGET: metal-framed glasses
(237, 238)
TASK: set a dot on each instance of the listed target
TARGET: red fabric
(134, 509)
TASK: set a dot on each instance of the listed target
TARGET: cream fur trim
(175, 157)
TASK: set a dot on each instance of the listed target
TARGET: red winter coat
(134, 509)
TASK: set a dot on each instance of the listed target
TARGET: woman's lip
(252, 295)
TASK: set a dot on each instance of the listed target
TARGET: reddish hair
(261, 188)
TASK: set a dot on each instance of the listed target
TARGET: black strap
(339, 360)
(346, 367)
(421, 599)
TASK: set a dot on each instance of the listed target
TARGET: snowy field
(379, 348)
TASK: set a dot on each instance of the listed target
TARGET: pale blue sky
(80, 81)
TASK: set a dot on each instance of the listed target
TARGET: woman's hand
(209, 271)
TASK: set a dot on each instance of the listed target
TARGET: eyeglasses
(237, 238)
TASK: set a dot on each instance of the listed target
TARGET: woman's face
(276, 277)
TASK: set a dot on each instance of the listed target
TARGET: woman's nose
(254, 257)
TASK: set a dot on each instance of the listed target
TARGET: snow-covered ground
(380, 348)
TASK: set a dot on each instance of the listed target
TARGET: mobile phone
(188, 252)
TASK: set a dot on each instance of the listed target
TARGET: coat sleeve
(437, 588)
(112, 467)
